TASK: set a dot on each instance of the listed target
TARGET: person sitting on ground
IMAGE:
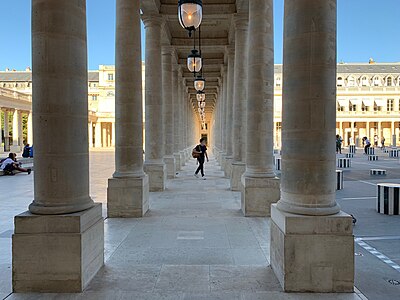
(26, 151)
(10, 164)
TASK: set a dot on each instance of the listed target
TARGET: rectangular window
(390, 104)
(110, 76)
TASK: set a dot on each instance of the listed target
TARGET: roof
(27, 76)
(360, 68)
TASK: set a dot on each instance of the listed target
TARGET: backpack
(195, 152)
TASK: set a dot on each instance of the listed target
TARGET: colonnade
(312, 245)
(17, 143)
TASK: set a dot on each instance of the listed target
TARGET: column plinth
(238, 168)
(312, 245)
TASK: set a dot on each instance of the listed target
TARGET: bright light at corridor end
(190, 14)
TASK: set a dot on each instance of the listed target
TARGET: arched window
(351, 81)
(377, 81)
(389, 81)
(364, 81)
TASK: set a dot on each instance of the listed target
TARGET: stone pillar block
(312, 253)
(57, 253)
(178, 165)
(238, 168)
(128, 197)
(223, 161)
(258, 194)
(169, 162)
(157, 173)
(228, 166)
(183, 159)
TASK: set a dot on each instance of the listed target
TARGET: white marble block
(312, 253)
(128, 197)
(343, 162)
(377, 172)
(339, 179)
(393, 153)
(388, 198)
(349, 155)
(57, 253)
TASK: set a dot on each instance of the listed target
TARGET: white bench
(343, 162)
(377, 172)
(388, 200)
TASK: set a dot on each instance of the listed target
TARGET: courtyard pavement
(194, 242)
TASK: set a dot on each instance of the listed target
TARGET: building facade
(368, 102)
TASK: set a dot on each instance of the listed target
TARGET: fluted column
(229, 115)
(154, 165)
(128, 189)
(307, 222)
(66, 222)
(260, 186)
(239, 100)
(181, 112)
(168, 110)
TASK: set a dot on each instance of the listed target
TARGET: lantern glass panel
(190, 15)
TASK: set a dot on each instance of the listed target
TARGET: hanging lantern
(190, 14)
(199, 83)
(194, 62)
(201, 96)
(202, 104)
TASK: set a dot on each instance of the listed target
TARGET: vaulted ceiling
(216, 33)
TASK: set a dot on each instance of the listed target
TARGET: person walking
(201, 150)
(367, 144)
(383, 143)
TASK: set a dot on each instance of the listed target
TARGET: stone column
(16, 146)
(154, 165)
(1, 135)
(394, 139)
(176, 113)
(312, 246)
(181, 112)
(168, 110)
(6, 130)
(260, 187)
(352, 133)
(239, 100)
(63, 223)
(90, 130)
(368, 130)
(97, 129)
(113, 134)
(30, 129)
(229, 115)
(224, 109)
(128, 189)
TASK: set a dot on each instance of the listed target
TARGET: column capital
(150, 20)
(167, 50)
(241, 21)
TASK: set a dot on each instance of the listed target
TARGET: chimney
(7, 70)
(28, 69)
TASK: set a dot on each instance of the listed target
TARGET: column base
(228, 166)
(57, 253)
(157, 173)
(258, 194)
(177, 157)
(312, 253)
(15, 149)
(127, 197)
(183, 162)
(238, 168)
(169, 162)
(223, 161)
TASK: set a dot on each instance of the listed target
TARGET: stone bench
(371, 151)
(377, 172)
(339, 179)
(352, 149)
(343, 162)
(388, 200)
(393, 152)
(278, 163)
(372, 157)
(349, 155)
